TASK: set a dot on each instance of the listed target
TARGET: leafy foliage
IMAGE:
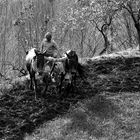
(91, 27)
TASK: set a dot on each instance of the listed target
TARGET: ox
(35, 62)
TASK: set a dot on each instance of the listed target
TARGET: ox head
(39, 61)
(71, 64)
(71, 61)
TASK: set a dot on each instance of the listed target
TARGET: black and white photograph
(69, 69)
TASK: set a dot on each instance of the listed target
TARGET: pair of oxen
(66, 68)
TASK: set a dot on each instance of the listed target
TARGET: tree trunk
(128, 27)
(106, 44)
(82, 43)
(110, 40)
(4, 39)
(30, 34)
(137, 25)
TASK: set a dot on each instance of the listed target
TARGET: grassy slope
(112, 114)
(104, 107)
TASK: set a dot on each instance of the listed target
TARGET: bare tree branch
(2, 75)
(91, 21)
(21, 70)
(129, 9)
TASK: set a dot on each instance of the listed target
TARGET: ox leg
(35, 85)
(68, 88)
(46, 81)
(72, 85)
(45, 89)
(61, 81)
(73, 81)
(31, 81)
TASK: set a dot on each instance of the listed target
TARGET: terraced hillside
(105, 105)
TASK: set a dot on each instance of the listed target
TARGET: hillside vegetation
(105, 105)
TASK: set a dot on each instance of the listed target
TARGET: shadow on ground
(90, 117)
(21, 114)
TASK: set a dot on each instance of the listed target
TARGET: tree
(133, 8)
(23, 25)
(5, 4)
(127, 23)
(102, 18)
